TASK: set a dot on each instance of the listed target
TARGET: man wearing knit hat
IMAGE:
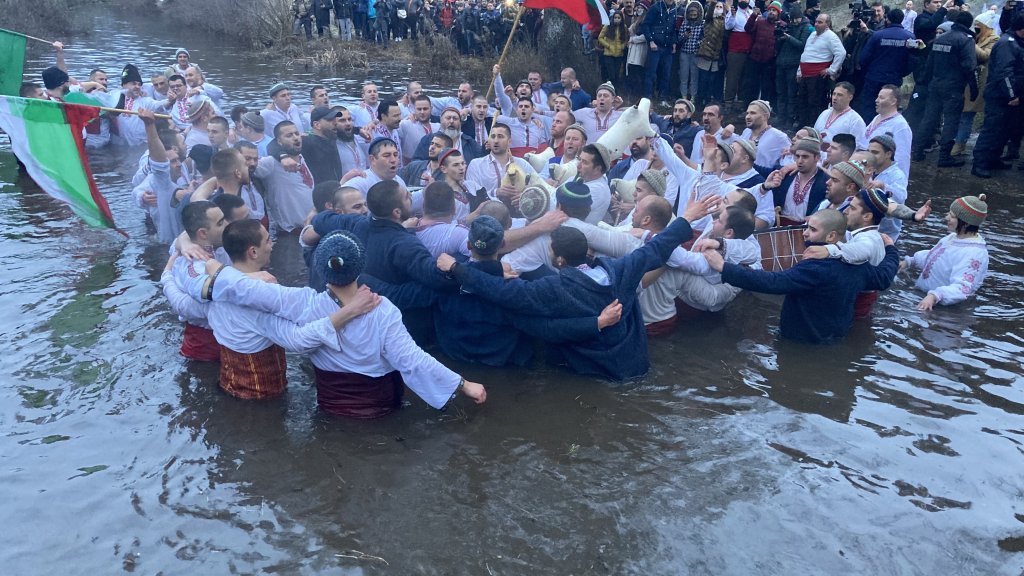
(251, 128)
(681, 127)
(281, 108)
(890, 121)
(56, 82)
(863, 243)
(800, 193)
(770, 141)
(820, 293)
(598, 119)
(365, 376)
(954, 269)
(844, 181)
(200, 112)
(888, 177)
(131, 130)
(182, 61)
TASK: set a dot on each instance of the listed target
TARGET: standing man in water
(819, 293)
(280, 108)
(131, 130)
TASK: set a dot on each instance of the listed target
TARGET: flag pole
(504, 51)
(123, 111)
(36, 39)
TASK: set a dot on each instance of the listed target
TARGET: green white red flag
(589, 13)
(47, 138)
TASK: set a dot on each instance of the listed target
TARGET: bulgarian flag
(47, 138)
(589, 13)
(12, 62)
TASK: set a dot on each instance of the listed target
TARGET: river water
(898, 451)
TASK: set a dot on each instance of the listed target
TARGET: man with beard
(253, 192)
(231, 177)
(353, 157)
(131, 129)
(421, 172)
(770, 141)
(451, 126)
(800, 193)
(250, 128)
(478, 123)
(416, 127)
(639, 149)
(281, 108)
(461, 101)
(681, 127)
(291, 187)
(383, 154)
(319, 148)
(820, 294)
(559, 123)
(490, 170)
(711, 119)
(573, 143)
(198, 86)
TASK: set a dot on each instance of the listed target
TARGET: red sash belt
(358, 396)
(253, 376)
(199, 344)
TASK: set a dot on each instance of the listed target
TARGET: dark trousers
(785, 93)
(1000, 122)
(758, 81)
(945, 103)
(812, 98)
(635, 81)
(865, 103)
(659, 64)
(709, 87)
(359, 22)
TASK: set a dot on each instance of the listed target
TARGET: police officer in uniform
(950, 68)
(885, 59)
(1003, 92)
(925, 28)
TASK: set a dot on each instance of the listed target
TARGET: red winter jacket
(763, 33)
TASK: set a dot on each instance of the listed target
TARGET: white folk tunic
(953, 270)
(373, 344)
(770, 146)
(488, 172)
(897, 127)
(290, 193)
(849, 122)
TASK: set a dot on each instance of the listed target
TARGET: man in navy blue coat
(618, 352)
(570, 86)
(819, 293)
(471, 329)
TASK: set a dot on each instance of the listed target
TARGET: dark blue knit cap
(574, 194)
(340, 257)
(486, 235)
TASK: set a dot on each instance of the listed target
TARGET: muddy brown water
(898, 451)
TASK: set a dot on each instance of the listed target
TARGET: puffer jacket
(714, 33)
(982, 49)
